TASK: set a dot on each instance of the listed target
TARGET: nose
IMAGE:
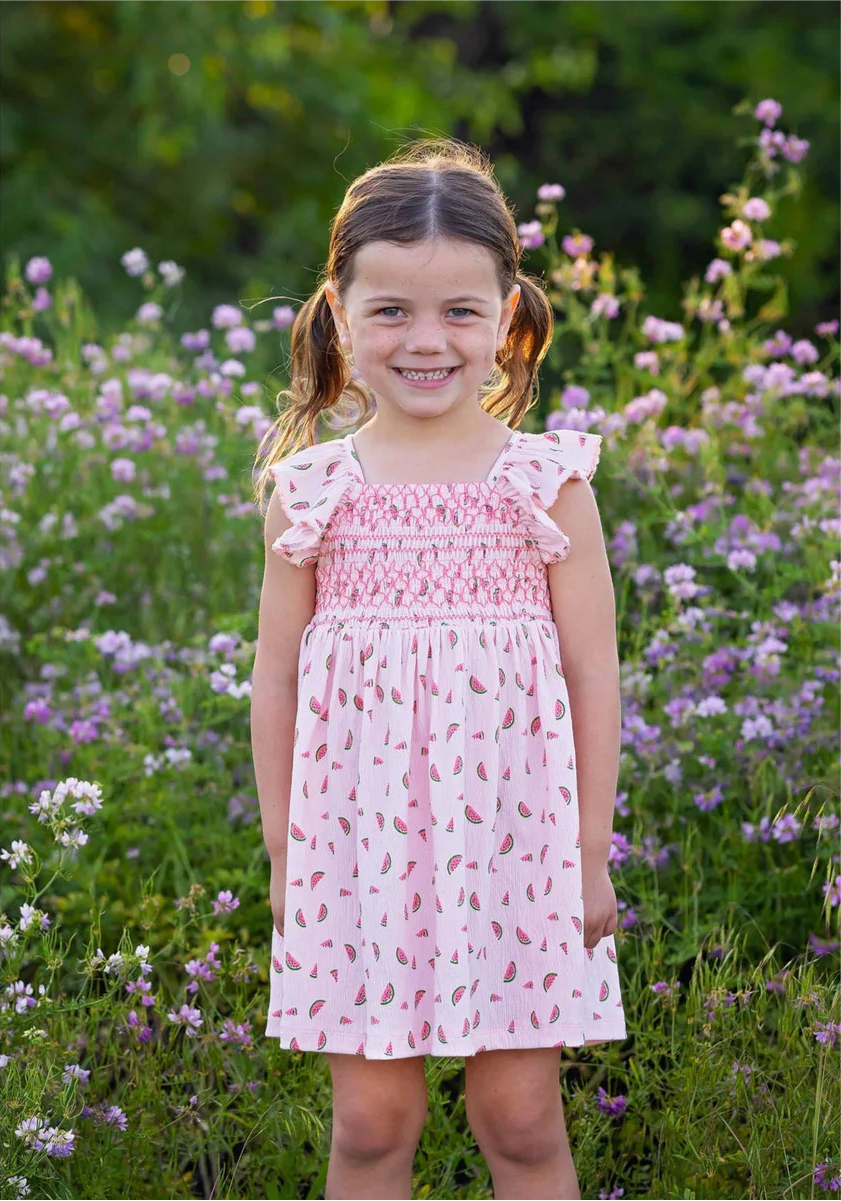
(426, 336)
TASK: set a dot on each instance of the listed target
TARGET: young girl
(436, 623)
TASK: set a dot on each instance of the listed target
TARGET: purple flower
(240, 340)
(187, 1017)
(41, 301)
(611, 1105)
(768, 111)
(832, 891)
(756, 209)
(820, 947)
(794, 149)
(605, 305)
(551, 191)
(736, 236)
(717, 270)
(577, 245)
(225, 316)
(197, 341)
(827, 329)
(149, 313)
(38, 270)
(657, 330)
(823, 1179)
(827, 1033)
(804, 352)
(283, 316)
(225, 902)
(531, 234)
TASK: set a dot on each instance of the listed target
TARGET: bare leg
(514, 1107)
(379, 1108)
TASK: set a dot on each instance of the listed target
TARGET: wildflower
(41, 301)
(826, 329)
(605, 305)
(551, 191)
(149, 314)
(200, 340)
(716, 270)
(768, 111)
(736, 236)
(240, 339)
(172, 273)
(187, 1017)
(820, 947)
(657, 330)
(827, 1033)
(225, 902)
(794, 149)
(225, 316)
(531, 234)
(72, 1071)
(832, 891)
(21, 1185)
(822, 1178)
(577, 245)
(21, 852)
(135, 261)
(38, 270)
(112, 1116)
(283, 316)
(238, 1034)
(663, 989)
(804, 352)
(756, 209)
(611, 1105)
(680, 581)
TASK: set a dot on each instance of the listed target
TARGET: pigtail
(319, 378)
(514, 385)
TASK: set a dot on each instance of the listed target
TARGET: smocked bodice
(433, 551)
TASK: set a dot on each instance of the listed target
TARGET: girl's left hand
(600, 912)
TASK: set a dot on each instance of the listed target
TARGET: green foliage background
(222, 135)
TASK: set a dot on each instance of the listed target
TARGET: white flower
(20, 853)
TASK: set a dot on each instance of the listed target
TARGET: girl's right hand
(277, 894)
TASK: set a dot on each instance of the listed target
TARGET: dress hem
(495, 1040)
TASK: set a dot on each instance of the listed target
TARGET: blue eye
(394, 308)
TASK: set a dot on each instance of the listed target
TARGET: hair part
(430, 188)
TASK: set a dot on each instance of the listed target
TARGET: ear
(508, 307)
(339, 315)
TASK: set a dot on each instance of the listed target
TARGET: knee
(525, 1132)
(370, 1129)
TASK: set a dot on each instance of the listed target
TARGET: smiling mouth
(436, 373)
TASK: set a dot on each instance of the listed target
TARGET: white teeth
(427, 374)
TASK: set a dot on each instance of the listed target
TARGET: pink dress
(433, 895)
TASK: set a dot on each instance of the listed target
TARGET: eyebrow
(403, 300)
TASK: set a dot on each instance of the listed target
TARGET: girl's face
(423, 321)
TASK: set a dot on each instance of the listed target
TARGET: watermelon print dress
(433, 892)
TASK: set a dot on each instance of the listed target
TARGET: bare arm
(584, 610)
(287, 603)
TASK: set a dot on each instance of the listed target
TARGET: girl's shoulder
(533, 472)
(552, 457)
(310, 483)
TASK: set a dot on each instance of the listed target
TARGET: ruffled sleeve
(311, 483)
(532, 474)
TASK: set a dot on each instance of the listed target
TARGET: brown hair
(430, 188)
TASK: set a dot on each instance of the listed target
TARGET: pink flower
(225, 316)
(41, 300)
(756, 209)
(795, 149)
(225, 902)
(717, 270)
(605, 305)
(577, 244)
(736, 236)
(38, 270)
(531, 234)
(804, 352)
(551, 191)
(283, 316)
(768, 111)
